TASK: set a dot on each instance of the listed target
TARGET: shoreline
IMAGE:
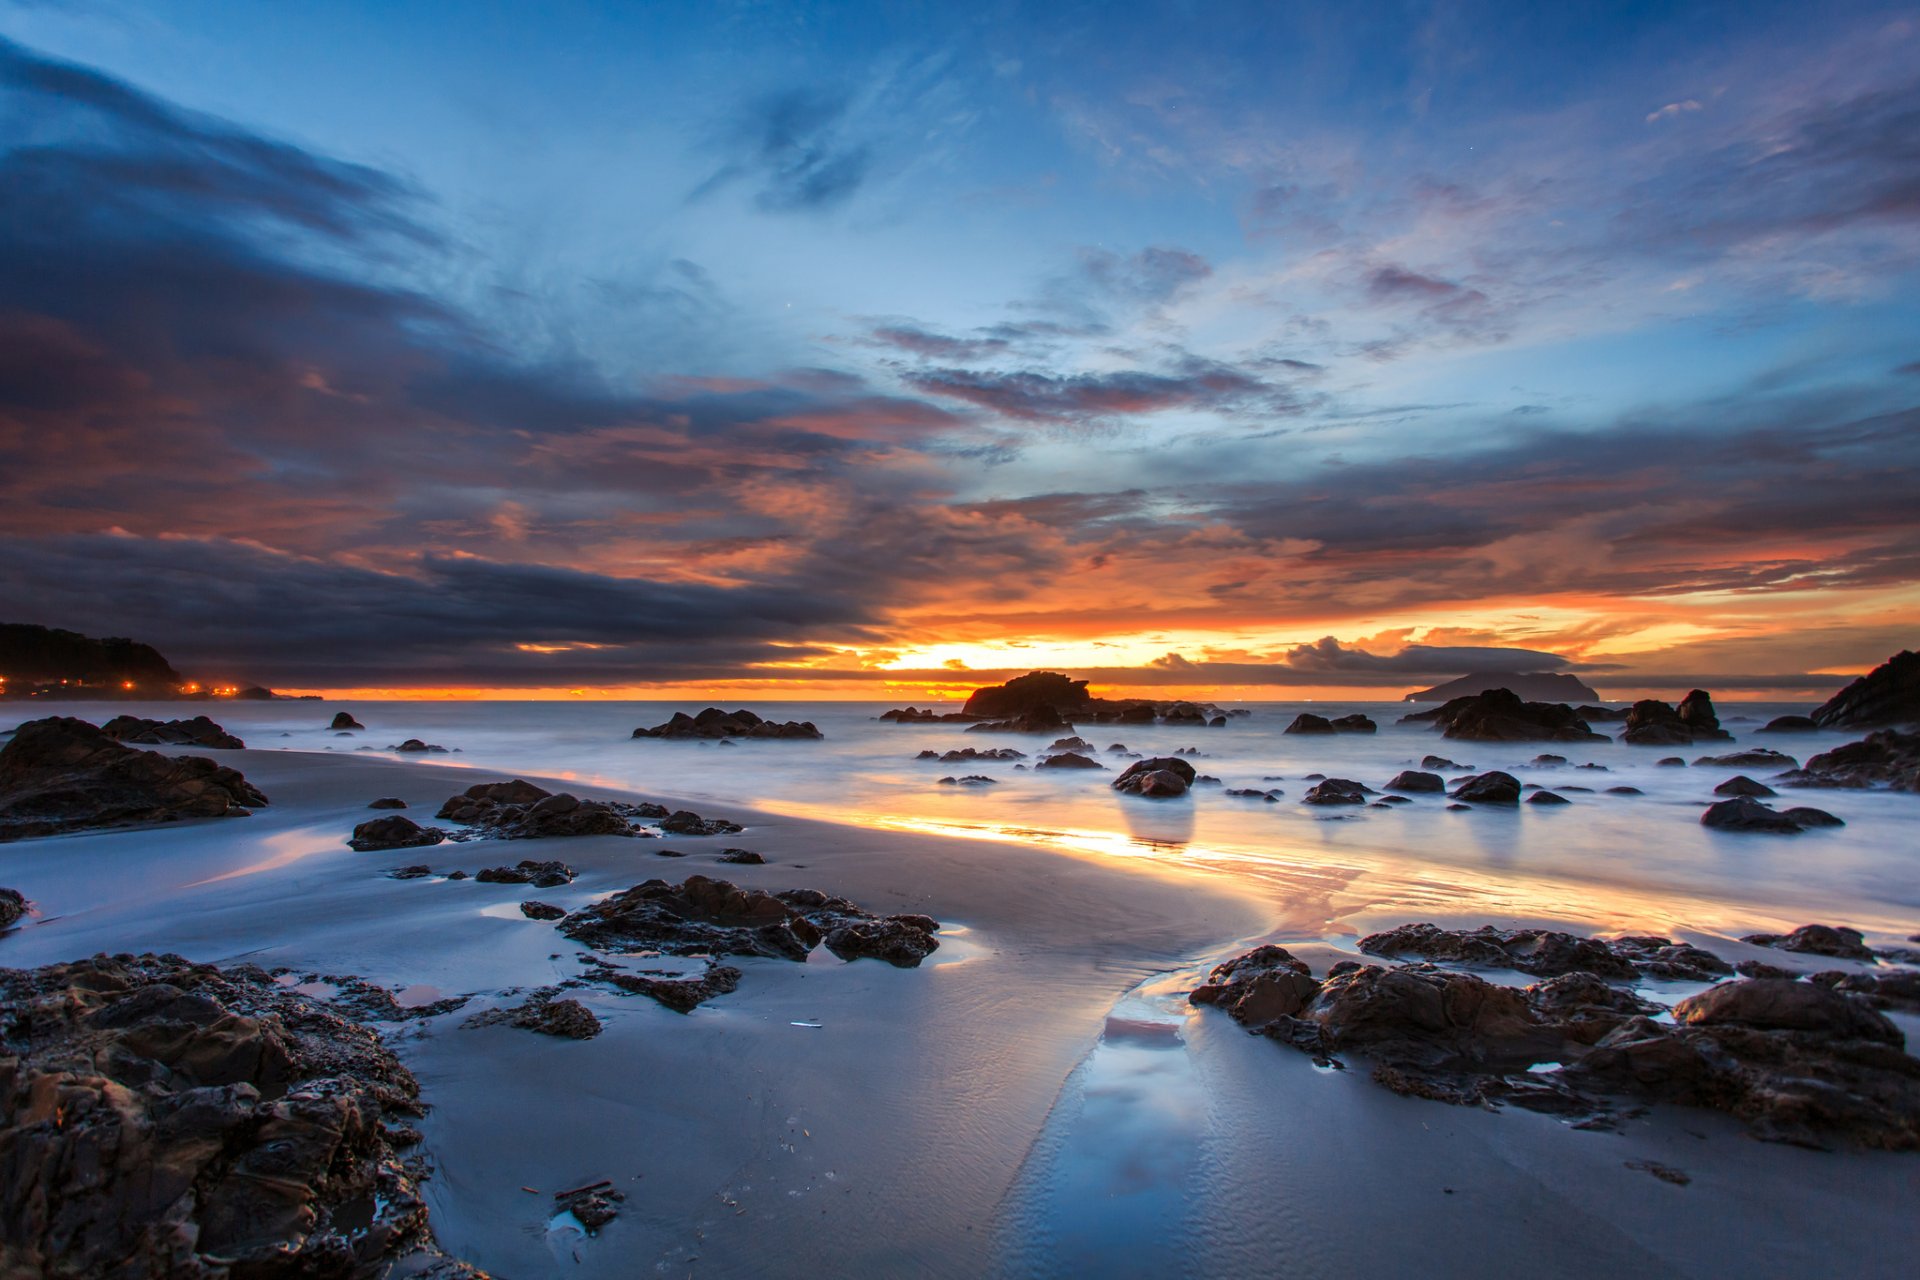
(956, 1119)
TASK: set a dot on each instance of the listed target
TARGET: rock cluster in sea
(62, 774)
(1498, 715)
(715, 723)
(197, 732)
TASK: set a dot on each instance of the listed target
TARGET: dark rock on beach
(684, 822)
(1884, 758)
(394, 832)
(1038, 720)
(390, 802)
(541, 875)
(1161, 777)
(62, 774)
(1414, 780)
(1307, 722)
(963, 755)
(1741, 785)
(1542, 952)
(197, 732)
(1548, 798)
(742, 857)
(13, 907)
(1335, 791)
(1499, 715)
(1749, 758)
(345, 720)
(167, 1119)
(1817, 939)
(535, 910)
(519, 810)
(1068, 760)
(414, 746)
(715, 723)
(1653, 723)
(1789, 724)
(1494, 787)
(1743, 813)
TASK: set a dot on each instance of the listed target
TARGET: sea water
(1632, 861)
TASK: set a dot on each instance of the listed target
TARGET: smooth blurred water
(1602, 857)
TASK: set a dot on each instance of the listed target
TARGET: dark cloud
(796, 151)
(939, 346)
(1033, 396)
(1328, 655)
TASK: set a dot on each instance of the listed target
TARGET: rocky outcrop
(1789, 724)
(1335, 791)
(536, 910)
(394, 832)
(541, 875)
(1742, 785)
(1354, 722)
(715, 723)
(62, 774)
(919, 715)
(519, 810)
(1819, 940)
(168, 1119)
(1750, 758)
(13, 907)
(1499, 715)
(1162, 777)
(1549, 953)
(388, 802)
(1415, 780)
(1494, 787)
(706, 917)
(964, 755)
(1745, 814)
(1307, 722)
(1887, 695)
(1038, 720)
(197, 732)
(1035, 691)
(1799, 1061)
(1885, 758)
(416, 747)
(344, 721)
(685, 822)
(1068, 760)
(1652, 723)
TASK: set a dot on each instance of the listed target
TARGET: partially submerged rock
(197, 732)
(715, 723)
(567, 1019)
(1750, 758)
(1493, 787)
(388, 802)
(1415, 780)
(1745, 814)
(163, 1118)
(541, 875)
(685, 822)
(1742, 785)
(1789, 724)
(13, 907)
(61, 774)
(1498, 715)
(1653, 723)
(1161, 777)
(1336, 791)
(414, 746)
(343, 720)
(1038, 720)
(963, 755)
(534, 910)
(1817, 939)
(519, 810)
(1068, 760)
(1885, 758)
(394, 832)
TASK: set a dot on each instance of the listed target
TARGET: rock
(1781, 1004)
(1039, 720)
(1440, 762)
(389, 802)
(197, 732)
(1789, 724)
(1160, 777)
(1670, 762)
(965, 754)
(1887, 695)
(973, 780)
(742, 857)
(344, 720)
(1249, 793)
(418, 871)
(1817, 939)
(1265, 984)
(1354, 723)
(1413, 780)
(541, 875)
(395, 832)
(1898, 989)
(1652, 723)
(414, 746)
(566, 1018)
(1746, 814)
(519, 810)
(167, 1119)
(533, 910)
(1036, 691)
(1806, 817)
(1751, 757)
(683, 822)
(1600, 715)
(1542, 952)
(13, 907)
(1335, 791)
(1658, 957)
(1307, 722)
(1546, 686)
(1884, 758)
(715, 723)
(1499, 715)
(1548, 797)
(1625, 791)
(1546, 762)
(1494, 787)
(62, 774)
(1068, 760)
(1071, 744)
(595, 1209)
(916, 715)
(1741, 785)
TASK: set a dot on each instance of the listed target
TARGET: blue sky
(1352, 320)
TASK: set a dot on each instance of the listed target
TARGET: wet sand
(1036, 1100)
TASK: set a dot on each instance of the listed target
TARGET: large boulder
(1331, 791)
(1887, 695)
(197, 732)
(1161, 777)
(1068, 760)
(715, 723)
(1789, 724)
(1307, 722)
(1260, 987)
(1544, 952)
(168, 1119)
(1652, 723)
(1819, 940)
(1498, 715)
(62, 774)
(1745, 814)
(1750, 758)
(519, 810)
(1032, 692)
(1492, 787)
(13, 907)
(1415, 780)
(343, 721)
(394, 832)
(1782, 1004)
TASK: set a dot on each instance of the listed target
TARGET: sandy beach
(1036, 1099)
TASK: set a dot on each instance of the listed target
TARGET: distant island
(1532, 686)
(49, 663)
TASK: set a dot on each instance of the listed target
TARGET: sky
(845, 350)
